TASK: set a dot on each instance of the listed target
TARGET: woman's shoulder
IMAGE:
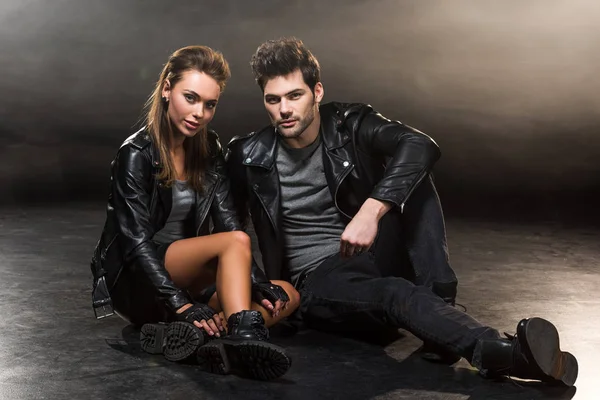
(139, 140)
(137, 149)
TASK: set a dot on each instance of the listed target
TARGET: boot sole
(437, 355)
(152, 338)
(543, 344)
(255, 359)
(176, 341)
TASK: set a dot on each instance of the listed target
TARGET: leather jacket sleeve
(237, 176)
(411, 153)
(132, 188)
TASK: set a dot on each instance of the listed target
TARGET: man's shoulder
(342, 110)
(215, 148)
(240, 141)
(337, 114)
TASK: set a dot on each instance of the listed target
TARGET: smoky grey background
(508, 89)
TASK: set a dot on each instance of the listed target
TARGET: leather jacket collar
(263, 151)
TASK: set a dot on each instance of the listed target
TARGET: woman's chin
(189, 133)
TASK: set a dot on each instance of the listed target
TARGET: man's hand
(360, 233)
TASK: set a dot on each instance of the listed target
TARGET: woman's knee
(240, 239)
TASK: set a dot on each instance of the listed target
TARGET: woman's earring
(165, 99)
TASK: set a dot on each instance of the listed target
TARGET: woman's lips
(191, 125)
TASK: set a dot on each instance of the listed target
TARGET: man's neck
(308, 136)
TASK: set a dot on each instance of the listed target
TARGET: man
(318, 183)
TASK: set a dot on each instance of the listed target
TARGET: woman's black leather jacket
(139, 205)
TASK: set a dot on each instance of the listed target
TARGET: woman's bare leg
(187, 261)
(270, 320)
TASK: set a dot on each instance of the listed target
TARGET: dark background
(510, 90)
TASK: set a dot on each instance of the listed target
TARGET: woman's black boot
(245, 350)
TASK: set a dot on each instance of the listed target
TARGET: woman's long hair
(202, 59)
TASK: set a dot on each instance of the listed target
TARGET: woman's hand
(202, 316)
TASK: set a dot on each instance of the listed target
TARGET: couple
(347, 218)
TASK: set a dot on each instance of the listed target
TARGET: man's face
(291, 104)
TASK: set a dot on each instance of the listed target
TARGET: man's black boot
(532, 353)
(245, 350)
(436, 354)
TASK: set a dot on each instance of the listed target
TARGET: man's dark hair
(282, 57)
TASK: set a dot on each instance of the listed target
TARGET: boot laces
(258, 324)
(516, 347)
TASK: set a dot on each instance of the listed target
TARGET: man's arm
(411, 155)
(235, 171)
(223, 209)
(233, 199)
(269, 295)
(231, 202)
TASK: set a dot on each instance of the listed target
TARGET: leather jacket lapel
(265, 184)
(337, 166)
(263, 179)
(204, 199)
(162, 196)
(338, 161)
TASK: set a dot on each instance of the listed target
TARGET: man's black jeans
(351, 295)
(405, 281)
(412, 244)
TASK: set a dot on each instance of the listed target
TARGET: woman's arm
(131, 191)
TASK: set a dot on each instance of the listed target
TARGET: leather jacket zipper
(418, 182)
(266, 211)
(210, 199)
(339, 183)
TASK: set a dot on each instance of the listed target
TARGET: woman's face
(192, 101)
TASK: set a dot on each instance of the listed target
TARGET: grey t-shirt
(311, 223)
(179, 224)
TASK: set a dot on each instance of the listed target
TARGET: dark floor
(51, 347)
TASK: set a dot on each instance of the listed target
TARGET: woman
(156, 255)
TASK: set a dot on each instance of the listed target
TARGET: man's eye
(271, 100)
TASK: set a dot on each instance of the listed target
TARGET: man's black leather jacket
(365, 155)
(138, 207)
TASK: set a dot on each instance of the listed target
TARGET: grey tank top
(180, 223)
